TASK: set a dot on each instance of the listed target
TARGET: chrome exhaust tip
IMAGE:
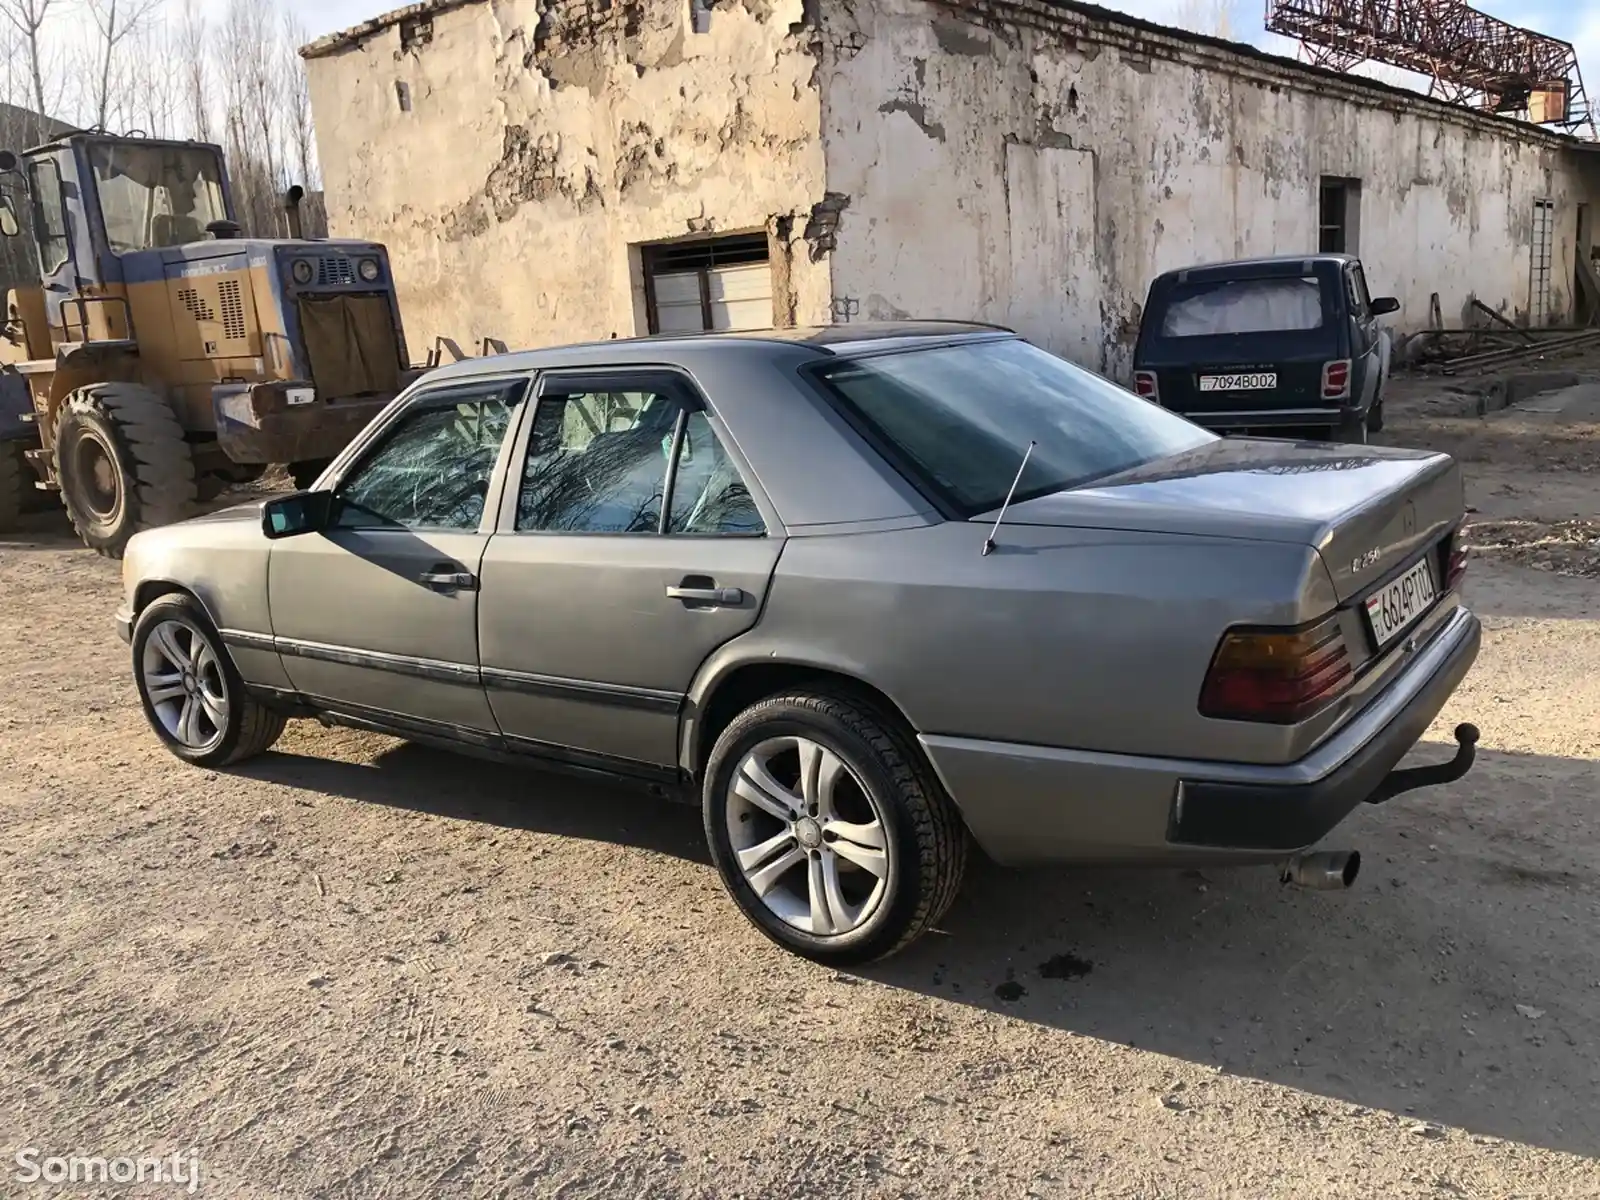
(1324, 871)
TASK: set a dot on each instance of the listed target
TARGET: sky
(1576, 21)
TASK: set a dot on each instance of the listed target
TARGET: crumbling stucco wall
(510, 152)
(1036, 167)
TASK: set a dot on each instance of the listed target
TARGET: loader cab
(100, 205)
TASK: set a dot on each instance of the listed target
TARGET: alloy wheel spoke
(820, 769)
(753, 856)
(166, 639)
(215, 708)
(829, 912)
(764, 880)
(756, 785)
(189, 722)
(161, 688)
(875, 862)
(871, 835)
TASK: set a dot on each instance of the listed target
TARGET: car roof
(1277, 264)
(820, 341)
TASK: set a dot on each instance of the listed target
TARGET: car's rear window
(1232, 306)
(957, 420)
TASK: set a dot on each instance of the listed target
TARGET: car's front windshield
(154, 195)
(959, 418)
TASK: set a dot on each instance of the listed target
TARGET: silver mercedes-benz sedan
(862, 593)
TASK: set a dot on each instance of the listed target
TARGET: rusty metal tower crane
(1472, 58)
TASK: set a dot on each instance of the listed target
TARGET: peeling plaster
(547, 142)
(917, 113)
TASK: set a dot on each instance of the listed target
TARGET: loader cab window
(49, 214)
(155, 195)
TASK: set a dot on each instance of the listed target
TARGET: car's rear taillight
(1336, 379)
(1279, 676)
(1456, 568)
(1144, 382)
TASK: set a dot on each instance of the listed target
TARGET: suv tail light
(1336, 379)
(1279, 676)
(1144, 382)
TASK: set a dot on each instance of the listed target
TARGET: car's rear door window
(1215, 308)
(599, 461)
(958, 419)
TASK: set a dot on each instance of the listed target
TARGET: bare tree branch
(193, 59)
(27, 18)
(114, 22)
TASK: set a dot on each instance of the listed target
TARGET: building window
(1544, 220)
(715, 283)
(1339, 215)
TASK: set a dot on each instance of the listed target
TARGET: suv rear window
(1217, 307)
(956, 420)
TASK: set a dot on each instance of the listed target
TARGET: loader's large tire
(16, 479)
(123, 464)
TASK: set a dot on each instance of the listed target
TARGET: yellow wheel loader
(164, 355)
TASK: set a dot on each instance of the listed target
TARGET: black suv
(1267, 345)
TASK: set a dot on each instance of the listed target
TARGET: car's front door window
(432, 469)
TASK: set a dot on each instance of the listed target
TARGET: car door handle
(462, 580)
(706, 595)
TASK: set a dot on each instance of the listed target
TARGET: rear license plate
(1393, 608)
(1259, 381)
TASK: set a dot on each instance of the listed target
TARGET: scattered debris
(1527, 1010)
(1561, 547)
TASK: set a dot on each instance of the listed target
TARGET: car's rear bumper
(1046, 804)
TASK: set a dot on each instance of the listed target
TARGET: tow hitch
(1411, 778)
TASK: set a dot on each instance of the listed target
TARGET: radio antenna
(988, 542)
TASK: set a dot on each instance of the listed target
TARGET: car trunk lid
(1370, 512)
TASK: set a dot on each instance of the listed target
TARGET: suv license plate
(1260, 381)
(1392, 609)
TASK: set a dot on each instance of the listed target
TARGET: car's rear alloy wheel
(829, 829)
(192, 694)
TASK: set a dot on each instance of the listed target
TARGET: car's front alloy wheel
(829, 829)
(192, 694)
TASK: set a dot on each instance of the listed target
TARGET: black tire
(122, 463)
(926, 841)
(1375, 416)
(16, 478)
(249, 727)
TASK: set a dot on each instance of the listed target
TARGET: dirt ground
(360, 968)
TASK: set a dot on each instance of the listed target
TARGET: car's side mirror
(8, 218)
(1384, 305)
(303, 512)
